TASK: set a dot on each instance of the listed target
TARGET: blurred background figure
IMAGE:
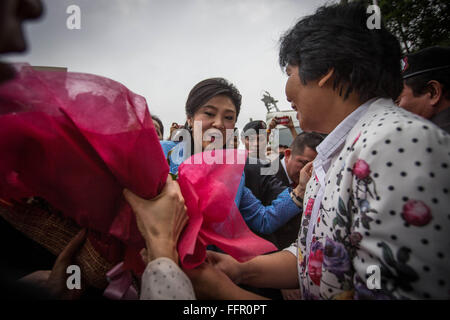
(254, 137)
(426, 90)
(281, 149)
(158, 126)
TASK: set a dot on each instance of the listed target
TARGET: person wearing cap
(426, 80)
(265, 187)
(254, 137)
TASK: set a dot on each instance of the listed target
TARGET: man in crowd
(254, 137)
(300, 153)
(426, 81)
(263, 186)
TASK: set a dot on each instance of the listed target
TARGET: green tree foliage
(418, 23)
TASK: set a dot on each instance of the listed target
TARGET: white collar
(283, 164)
(337, 137)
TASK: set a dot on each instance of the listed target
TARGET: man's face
(295, 163)
(12, 14)
(419, 105)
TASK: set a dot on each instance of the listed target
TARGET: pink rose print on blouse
(417, 213)
(309, 207)
(315, 262)
(361, 169)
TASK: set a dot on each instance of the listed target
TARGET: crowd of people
(364, 184)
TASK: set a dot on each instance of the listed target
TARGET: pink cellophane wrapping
(77, 140)
(209, 192)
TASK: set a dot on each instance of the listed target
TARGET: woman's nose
(218, 123)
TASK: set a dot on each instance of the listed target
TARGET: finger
(307, 168)
(72, 247)
(181, 227)
(214, 257)
(133, 200)
(173, 185)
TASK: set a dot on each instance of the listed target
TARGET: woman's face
(215, 116)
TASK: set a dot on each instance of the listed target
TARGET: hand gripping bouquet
(77, 140)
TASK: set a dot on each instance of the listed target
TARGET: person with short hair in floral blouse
(376, 221)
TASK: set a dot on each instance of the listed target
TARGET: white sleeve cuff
(164, 280)
(292, 249)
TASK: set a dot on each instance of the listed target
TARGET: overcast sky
(161, 48)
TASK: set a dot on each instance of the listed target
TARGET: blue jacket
(259, 218)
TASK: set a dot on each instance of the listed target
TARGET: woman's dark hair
(336, 36)
(157, 119)
(209, 88)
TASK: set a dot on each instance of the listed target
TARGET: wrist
(161, 248)
(245, 273)
(297, 196)
(299, 191)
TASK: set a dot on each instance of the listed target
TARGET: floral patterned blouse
(383, 226)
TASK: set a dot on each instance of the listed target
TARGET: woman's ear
(189, 122)
(326, 77)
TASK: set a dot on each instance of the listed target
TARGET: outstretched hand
(210, 282)
(226, 263)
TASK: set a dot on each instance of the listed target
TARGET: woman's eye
(229, 118)
(210, 114)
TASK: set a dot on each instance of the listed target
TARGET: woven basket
(53, 232)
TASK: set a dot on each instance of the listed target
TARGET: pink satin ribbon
(120, 284)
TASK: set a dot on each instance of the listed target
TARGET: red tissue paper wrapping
(77, 140)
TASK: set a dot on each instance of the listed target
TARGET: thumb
(133, 200)
(72, 247)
